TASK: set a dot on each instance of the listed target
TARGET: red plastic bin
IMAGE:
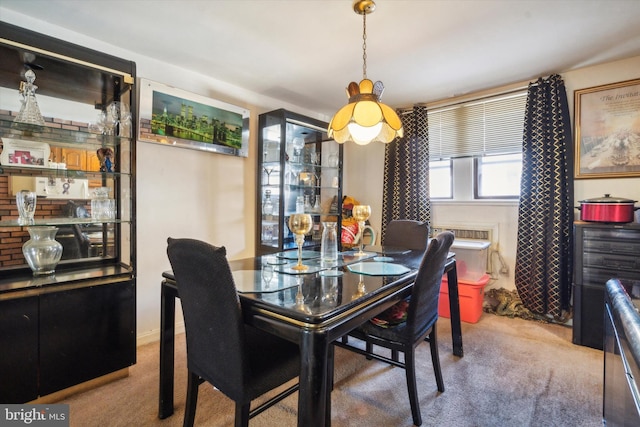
(471, 297)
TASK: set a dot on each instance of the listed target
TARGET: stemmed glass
(300, 304)
(268, 170)
(267, 274)
(361, 290)
(361, 213)
(300, 224)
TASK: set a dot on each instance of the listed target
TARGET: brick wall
(12, 238)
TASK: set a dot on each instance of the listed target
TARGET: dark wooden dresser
(602, 251)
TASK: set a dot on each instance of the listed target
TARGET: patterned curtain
(405, 193)
(543, 270)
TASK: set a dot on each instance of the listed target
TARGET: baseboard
(154, 335)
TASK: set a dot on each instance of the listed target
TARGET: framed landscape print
(178, 118)
(607, 130)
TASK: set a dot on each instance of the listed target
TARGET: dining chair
(407, 233)
(400, 333)
(239, 360)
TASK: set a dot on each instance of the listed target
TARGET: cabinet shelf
(59, 173)
(58, 136)
(40, 222)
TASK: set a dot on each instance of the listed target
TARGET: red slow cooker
(607, 209)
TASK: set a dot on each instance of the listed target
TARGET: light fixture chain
(364, 46)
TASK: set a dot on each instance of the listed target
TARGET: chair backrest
(407, 233)
(423, 306)
(212, 314)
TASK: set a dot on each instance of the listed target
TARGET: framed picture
(607, 130)
(19, 153)
(178, 118)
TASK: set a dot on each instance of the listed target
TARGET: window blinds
(478, 128)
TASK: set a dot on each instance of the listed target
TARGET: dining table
(312, 308)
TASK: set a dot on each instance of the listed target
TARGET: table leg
(167, 349)
(454, 309)
(313, 396)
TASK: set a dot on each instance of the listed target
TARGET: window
(440, 179)
(498, 176)
(488, 130)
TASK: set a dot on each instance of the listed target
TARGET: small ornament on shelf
(105, 154)
(267, 206)
(29, 110)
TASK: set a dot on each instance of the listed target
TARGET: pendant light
(365, 119)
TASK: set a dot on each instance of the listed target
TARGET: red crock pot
(607, 209)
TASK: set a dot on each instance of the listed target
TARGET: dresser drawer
(599, 276)
(622, 243)
(612, 260)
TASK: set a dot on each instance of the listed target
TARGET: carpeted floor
(514, 373)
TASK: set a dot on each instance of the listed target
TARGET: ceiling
(305, 52)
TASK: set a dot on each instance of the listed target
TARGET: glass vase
(42, 251)
(329, 245)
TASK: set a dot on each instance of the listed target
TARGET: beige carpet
(514, 373)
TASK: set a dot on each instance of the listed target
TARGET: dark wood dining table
(313, 310)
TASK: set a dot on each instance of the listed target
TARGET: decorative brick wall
(12, 238)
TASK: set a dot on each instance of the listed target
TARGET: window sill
(477, 202)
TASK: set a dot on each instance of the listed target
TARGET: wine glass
(268, 170)
(361, 290)
(361, 213)
(300, 304)
(267, 274)
(300, 224)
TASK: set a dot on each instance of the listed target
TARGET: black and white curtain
(406, 171)
(543, 270)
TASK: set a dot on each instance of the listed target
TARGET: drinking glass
(361, 213)
(26, 203)
(267, 274)
(300, 224)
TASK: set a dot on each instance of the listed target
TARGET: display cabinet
(78, 323)
(299, 170)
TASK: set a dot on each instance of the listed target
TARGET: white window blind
(478, 128)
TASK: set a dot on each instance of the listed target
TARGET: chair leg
(369, 349)
(192, 399)
(435, 358)
(394, 355)
(410, 372)
(242, 414)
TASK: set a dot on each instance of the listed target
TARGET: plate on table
(378, 269)
(288, 269)
(251, 281)
(293, 255)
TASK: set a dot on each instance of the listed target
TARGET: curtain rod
(444, 104)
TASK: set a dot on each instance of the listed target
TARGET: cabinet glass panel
(78, 161)
(299, 172)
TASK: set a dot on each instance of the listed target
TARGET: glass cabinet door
(299, 171)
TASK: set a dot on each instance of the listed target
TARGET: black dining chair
(407, 234)
(239, 360)
(419, 324)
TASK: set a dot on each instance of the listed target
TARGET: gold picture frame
(607, 130)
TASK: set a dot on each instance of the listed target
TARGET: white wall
(188, 193)
(363, 170)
